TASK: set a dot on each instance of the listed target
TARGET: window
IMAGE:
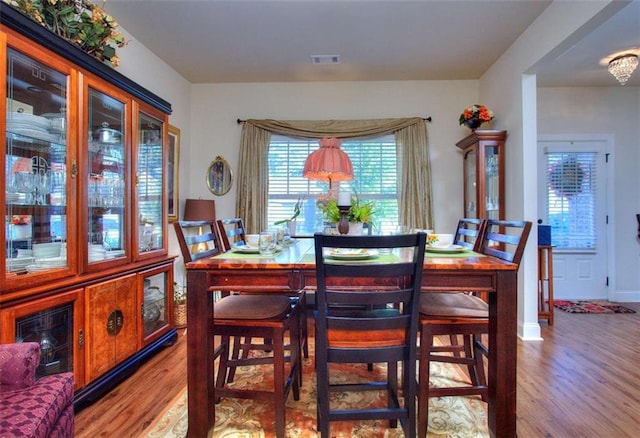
(571, 199)
(375, 178)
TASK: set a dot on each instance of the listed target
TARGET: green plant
(296, 213)
(79, 21)
(358, 212)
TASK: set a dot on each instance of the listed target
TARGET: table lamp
(328, 163)
(199, 210)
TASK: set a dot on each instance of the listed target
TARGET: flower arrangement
(79, 21)
(20, 219)
(476, 111)
(179, 293)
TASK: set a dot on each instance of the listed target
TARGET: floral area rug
(448, 416)
(593, 306)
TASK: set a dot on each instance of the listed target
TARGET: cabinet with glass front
(84, 207)
(483, 174)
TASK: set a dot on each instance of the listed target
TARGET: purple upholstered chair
(31, 407)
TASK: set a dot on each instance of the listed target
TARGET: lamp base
(343, 225)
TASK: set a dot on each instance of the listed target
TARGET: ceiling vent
(325, 59)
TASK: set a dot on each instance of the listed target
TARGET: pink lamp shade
(200, 210)
(328, 163)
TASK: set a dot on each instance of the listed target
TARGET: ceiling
(216, 41)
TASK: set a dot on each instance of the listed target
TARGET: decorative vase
(473, 124)
(180, 315)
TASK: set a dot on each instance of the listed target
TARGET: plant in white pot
(360, 212)
(291, 222)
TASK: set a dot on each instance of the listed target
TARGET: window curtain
(414, 200)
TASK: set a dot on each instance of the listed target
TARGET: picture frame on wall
(173, 156)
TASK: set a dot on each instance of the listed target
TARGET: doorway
(572, 199)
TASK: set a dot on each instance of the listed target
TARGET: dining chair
(463, 313)
(265, 316)
(374, 322)
(232, 232)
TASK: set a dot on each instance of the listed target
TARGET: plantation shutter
(571, 199)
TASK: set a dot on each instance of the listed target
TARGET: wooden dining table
(293, 269)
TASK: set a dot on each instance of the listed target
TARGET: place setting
(442, 244)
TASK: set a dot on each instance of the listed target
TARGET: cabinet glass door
(35, 161)
(155, 308)
(470, 189)
(150, 183)
(492, 182)
(107, 183)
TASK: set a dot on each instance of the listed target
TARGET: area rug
(593, 306)
(448, 416)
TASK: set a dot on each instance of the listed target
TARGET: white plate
(352, 254)
(446, 249)
(246, 249)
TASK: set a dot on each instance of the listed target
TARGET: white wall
(215, 108)
(508, 89)
(611, 111)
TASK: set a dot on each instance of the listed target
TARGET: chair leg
(426, 339)
(278, 381)
(237, 348)
(322, 372)
(478, 352)
(453, 340)
(392, 389)
(222, 364)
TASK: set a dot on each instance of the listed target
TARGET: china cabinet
(483, 174)
(84, 266)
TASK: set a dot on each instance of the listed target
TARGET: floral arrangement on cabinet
(78, 21)
(475, 115)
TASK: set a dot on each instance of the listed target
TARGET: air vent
(325, 59)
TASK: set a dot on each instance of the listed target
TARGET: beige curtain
(411, 137)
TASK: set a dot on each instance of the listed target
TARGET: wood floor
(583, 381)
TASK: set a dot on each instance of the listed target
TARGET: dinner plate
(352, 254)
(446, 249)
(246, 249)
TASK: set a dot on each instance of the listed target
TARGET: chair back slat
(231, 232)
(469, 233)
(505, 239)
(197, 239)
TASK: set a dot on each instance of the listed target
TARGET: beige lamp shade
(328, 163)
(200, 210)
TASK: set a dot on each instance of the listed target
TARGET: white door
(572, 199)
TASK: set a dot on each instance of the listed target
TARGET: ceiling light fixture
(622, 66)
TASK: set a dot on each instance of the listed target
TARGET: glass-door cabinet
(38, 169)
(149, 164)
(107, 178)
(483, 174)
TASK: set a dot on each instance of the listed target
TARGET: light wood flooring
(583, 381)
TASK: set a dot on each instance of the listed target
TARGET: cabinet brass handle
(115, 321)
(80, 338)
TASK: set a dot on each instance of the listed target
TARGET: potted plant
(179, 304)
(291, 222)
(475, 115)
(359, 212)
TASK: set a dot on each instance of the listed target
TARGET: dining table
(293, 269)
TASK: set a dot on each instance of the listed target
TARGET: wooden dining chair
(232, 232)
(466, 314)
(373, 322)
(259, 316)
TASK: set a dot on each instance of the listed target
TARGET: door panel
(572, 199)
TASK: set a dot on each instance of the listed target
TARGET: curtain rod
(427, 119)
